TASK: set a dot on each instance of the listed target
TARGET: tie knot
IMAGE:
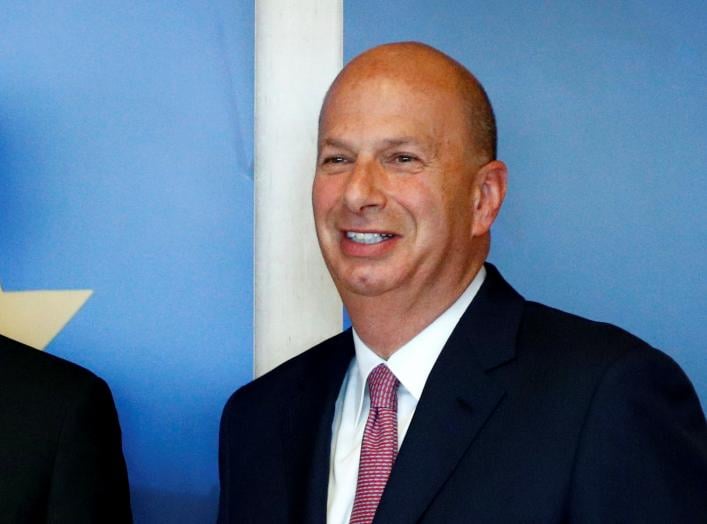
(383, 387)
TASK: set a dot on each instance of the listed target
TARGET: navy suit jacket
(529, 415)
(61, 458)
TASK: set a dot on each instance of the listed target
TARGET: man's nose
(363, 191)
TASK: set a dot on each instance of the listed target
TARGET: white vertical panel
(298, 51)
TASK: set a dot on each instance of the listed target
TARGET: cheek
(324, 195)
(441, 218)
(456, 201)
(426, 205)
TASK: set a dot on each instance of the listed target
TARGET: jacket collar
(457, 401)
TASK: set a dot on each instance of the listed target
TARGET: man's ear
(491, 181)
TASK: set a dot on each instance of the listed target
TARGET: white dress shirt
(411, 364)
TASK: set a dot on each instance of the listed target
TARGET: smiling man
(452, 398)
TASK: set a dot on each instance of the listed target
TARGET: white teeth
(367, 238)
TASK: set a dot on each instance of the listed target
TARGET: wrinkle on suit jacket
(529, 415)
(61, 457)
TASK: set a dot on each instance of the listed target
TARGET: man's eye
(334, 160)
(404, 159)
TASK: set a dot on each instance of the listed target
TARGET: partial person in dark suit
(498, 409)
(61, 457)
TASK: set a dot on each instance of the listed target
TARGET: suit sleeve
(89, 480)
(224, 460)
(249, 462)
(642, 456)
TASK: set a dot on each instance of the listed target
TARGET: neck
(387, 322)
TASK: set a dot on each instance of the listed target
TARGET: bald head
(406, 188)
(426, 69)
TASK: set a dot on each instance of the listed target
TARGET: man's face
(394, 188)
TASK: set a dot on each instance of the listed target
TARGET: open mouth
(368, 238)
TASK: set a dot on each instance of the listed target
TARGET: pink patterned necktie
(380, 444)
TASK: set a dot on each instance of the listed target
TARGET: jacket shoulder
(62, 445)
(552, 330)
(28, 372)
(575, 355)
(282, 381)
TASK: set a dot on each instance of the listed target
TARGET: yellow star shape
(36, 317)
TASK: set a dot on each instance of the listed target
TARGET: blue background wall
(126, 168)
(603, 124)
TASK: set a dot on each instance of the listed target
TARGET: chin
(366, 291)
(364, 284)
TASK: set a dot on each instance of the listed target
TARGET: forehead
(385, 104)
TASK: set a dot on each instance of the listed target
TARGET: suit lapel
(458, 398)
(307, 430)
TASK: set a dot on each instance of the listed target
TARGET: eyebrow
(389, 142)
(334, 142)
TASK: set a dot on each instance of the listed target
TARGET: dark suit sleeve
(250, 462)
(643, 452)
(224, 462)
(89, 479)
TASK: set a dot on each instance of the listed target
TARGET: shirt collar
(412, 362)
